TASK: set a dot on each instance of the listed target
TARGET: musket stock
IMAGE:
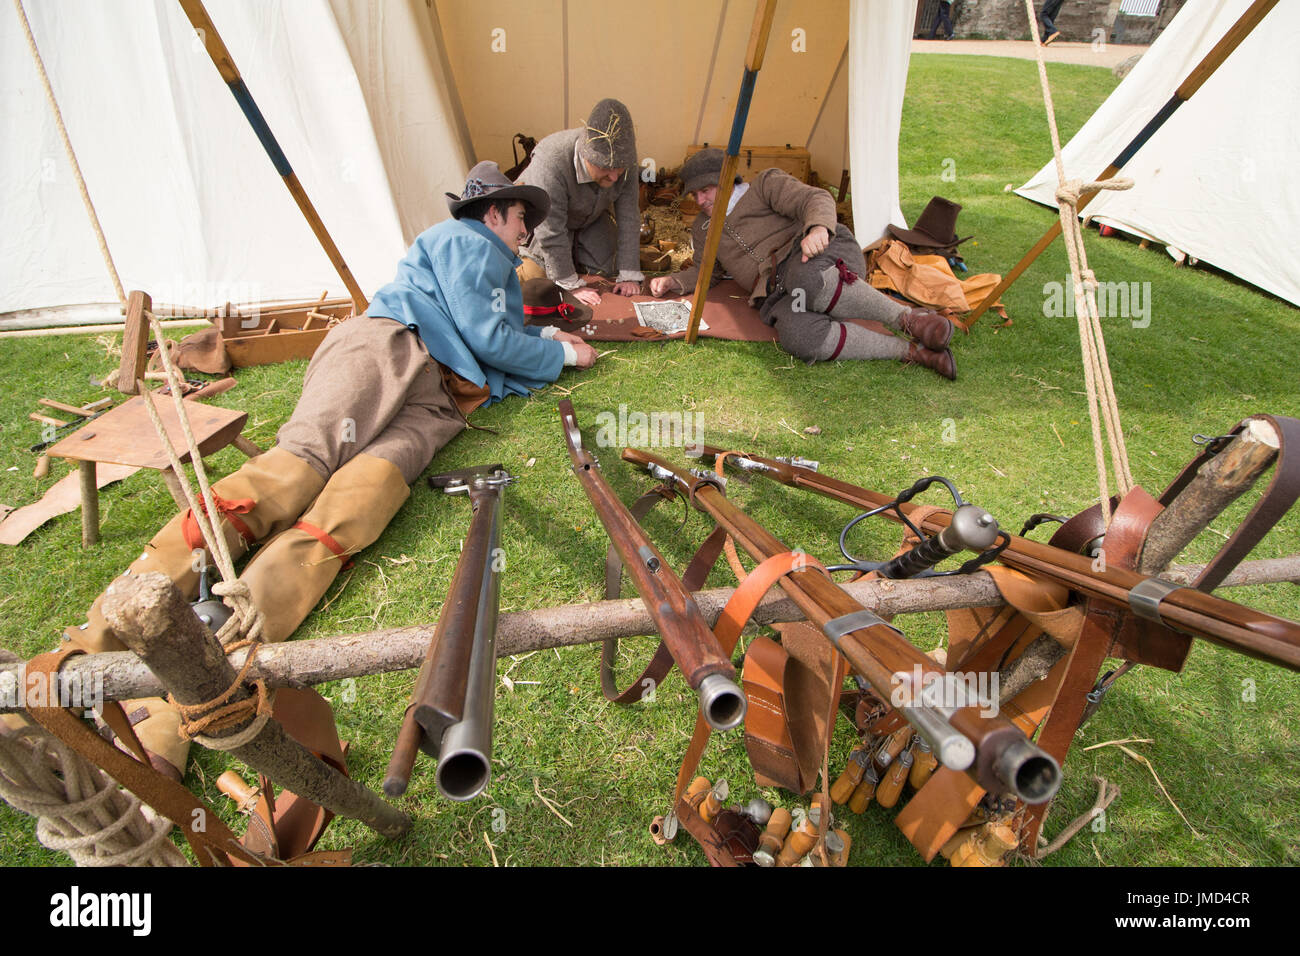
(681, 626)
(963, 737)
(1226, 623)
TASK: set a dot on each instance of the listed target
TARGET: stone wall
(1080, 21)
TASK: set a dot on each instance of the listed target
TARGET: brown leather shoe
(940, 361)
(929, 328)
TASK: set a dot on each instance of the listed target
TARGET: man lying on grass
(382, 394)
(806, 272)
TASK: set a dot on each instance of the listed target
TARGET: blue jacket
(456, 288)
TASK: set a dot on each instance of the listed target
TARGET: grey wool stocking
(848, 340)
(856, 300)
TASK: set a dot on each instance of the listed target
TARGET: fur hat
(611, 141)
(486, 181)
(701, 170)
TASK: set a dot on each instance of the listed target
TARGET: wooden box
(278, 334)
(795, 160)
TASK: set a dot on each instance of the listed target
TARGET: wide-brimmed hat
(937, 226)
(610, 140)
(486, 181)
(545, 303)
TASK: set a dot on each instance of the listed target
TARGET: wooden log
(89, 505)
(246, 446)
(1218, 483)
(151, 617)
(123, 677)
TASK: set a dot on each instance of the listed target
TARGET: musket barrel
(440, 691)
(678, 619)
(1226, 623)
(882, 655)
(465, 760)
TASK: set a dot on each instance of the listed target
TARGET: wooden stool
(126, 436)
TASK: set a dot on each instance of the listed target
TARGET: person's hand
(663, 285)
(816, 241)
(586, 354)
(568, 337)
(627, 288)
(587, 296)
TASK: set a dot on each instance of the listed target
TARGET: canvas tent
(381, 107)
(1216, 181)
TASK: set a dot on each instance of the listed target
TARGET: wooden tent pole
(1195, 79)
(225, 65)
(763, 15)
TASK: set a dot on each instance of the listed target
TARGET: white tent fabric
(1217, 180)
(191, 207)
(880, 40)
(363, 105)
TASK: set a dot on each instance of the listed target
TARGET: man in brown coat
(594, 224)
(804, 272)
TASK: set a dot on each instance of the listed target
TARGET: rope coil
(79, 809)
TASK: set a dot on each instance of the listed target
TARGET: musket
(1226, 623)
(450, 714)
(989, 747)
(677, 617)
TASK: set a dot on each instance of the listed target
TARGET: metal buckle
(799, 462)
(1214, 443)
(836, 628)
(1144, 599)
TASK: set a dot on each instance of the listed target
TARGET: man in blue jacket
(383, 393)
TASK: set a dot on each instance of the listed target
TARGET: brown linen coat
(772, 218)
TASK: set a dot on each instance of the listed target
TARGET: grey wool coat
(577, 205)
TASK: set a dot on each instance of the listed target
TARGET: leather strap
(123, 727)
(847, 277)
(323, 536)
(696, 574)
(735, 615)
(228, 509)
(1278, 497)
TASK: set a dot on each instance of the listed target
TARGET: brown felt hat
(545, 303)
(610, 141)
(937, 225)
(486, 181)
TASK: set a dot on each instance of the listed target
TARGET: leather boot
(278, 485)
(940, 361)
(929, 328)
(294, 569)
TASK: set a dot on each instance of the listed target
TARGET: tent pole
(1195, 79)
(225, 65)
(763, 15)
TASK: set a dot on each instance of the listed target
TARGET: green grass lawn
(1215, 351)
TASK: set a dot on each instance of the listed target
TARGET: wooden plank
(281, 347)
(126, 436)
(134, 339)
(48, 420)
(61, 407)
